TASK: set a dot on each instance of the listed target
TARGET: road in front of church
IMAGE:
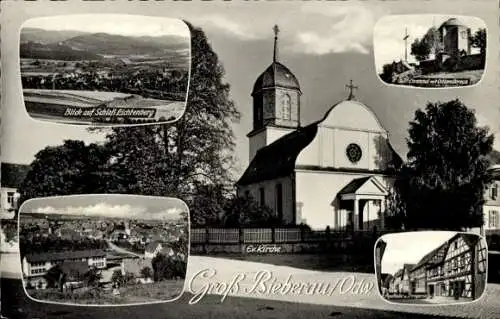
(254, 296)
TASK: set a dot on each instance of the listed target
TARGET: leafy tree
(179, 268)
(9, 230)
(71, 168)
(207, 207)
(420, 50)
(129, 278)
(245, 211)
(55, 277)
(147, 272)
(396, 209)
(430, 43)
(494, 157)
(117, 277)
(162, 267)
(92, 277)
(180, 159)
(443, 182)
(387, 71)
(478, 40)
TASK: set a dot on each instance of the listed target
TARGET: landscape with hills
(71, 45)
(152, 69)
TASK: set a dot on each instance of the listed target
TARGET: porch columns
(356, 214)
(382, 214)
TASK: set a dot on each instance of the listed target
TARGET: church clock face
(353, 152)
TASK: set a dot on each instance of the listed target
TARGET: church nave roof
(278, 158)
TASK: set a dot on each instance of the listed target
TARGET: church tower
(276, 103)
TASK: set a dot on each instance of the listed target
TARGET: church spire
(275, 53)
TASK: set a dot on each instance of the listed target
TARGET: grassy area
(158, 291)
(139, 293)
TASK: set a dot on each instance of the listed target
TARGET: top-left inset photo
(105, 69)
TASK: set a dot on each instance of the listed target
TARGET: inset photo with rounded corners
(430, 51)
(104, 249)
(105, 69)
(431, 267)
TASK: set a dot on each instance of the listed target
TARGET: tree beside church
(442, 185)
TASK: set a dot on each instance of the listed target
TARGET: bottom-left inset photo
(104, 249)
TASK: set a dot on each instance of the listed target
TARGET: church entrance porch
(362, 205)
(363, 214)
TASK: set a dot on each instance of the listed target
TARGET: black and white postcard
(430, 51)
(104, 68)
(432, 267)
(104, 249)
(296, 160)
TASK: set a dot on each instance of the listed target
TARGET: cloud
(337, 30)
(111, 211)
(232, 27)
(310, 29)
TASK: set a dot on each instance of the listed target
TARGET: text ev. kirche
(265, 283)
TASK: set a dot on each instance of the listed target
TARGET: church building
(333, 172)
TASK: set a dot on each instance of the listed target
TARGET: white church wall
(351, 114)
(270, 196)
(348, 122)
(311, 154)
(316, 193)
(328, 149)
(342, 139)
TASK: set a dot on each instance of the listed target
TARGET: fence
(223, 236)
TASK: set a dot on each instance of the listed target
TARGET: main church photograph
(335, 172)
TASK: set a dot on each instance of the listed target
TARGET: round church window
(353, 152)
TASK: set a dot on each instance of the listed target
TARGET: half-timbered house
(457, 268)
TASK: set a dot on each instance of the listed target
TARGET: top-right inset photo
(430, 51)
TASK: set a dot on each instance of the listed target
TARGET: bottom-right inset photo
(431, 267)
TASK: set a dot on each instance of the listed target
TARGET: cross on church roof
(351, 88)
(276, 30)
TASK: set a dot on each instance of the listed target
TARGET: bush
(167, 268)
(244, 211)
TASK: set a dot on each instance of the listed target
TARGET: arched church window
(286, 107)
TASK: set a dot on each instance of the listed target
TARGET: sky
(110, 205)
(410, 247)
(389, 31)
(118, 24)
(324, 56)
